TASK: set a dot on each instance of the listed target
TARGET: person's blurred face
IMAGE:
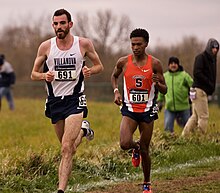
(214, 51)
(138, 45)
(173, 67)
(61, 26)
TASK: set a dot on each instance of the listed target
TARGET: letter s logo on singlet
(138, 82)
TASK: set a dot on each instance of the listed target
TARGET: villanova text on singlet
(67, 68)
(138, 87)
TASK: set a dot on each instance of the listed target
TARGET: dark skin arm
(119, 67)
(158, 77)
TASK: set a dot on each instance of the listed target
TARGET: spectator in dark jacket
(7, 78)
(204, 81)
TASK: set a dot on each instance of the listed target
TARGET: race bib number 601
(138, 96)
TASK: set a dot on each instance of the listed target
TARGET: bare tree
(81, 25)
(19, 44)
(110, 35)
(186, 51)
(109, 32)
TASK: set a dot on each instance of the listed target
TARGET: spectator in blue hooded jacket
(176, 100)
(7, 78)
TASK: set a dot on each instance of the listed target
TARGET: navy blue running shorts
(58, 108)
(140, 117)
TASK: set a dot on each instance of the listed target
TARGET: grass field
(29, 152)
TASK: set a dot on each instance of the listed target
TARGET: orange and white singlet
(139, 91)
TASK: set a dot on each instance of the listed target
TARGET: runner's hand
(118, 98)
(86, 72)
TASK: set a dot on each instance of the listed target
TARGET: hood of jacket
(211, 43)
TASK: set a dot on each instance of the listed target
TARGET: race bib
(138, 96)
(65, 73)
(82, 101)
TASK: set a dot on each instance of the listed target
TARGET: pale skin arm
(119, 67)
(41, 57)
(88, 50)
(158, 77)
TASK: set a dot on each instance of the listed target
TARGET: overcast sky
(167, 21)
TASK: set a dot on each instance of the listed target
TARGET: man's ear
(146, 44)
(71, 24)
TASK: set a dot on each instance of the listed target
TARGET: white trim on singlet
(71, 58)
(128, 103)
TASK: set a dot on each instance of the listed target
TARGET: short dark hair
(61, 12)
(138, 32)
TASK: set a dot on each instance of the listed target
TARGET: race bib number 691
(65, 73)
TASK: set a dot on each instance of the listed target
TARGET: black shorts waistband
(66, 96)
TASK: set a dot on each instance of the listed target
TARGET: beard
(61, 34)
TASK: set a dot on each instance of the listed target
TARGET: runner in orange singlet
(142, 79)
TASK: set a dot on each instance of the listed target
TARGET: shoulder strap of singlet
(53, 41)
(75, 39)
(129, 59)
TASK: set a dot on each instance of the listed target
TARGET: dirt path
(179, 185)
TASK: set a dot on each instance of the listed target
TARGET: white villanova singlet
(67, 67)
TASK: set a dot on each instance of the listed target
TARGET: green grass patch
(30, 151)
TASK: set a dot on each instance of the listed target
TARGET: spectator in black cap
(176, 101)
(7, 78)
(204, 82)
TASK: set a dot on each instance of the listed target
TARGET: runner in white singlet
(62, 59)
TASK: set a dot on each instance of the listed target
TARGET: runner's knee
(68, 149)
(125, 145)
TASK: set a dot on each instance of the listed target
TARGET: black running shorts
(59, 108)
(140, 117)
